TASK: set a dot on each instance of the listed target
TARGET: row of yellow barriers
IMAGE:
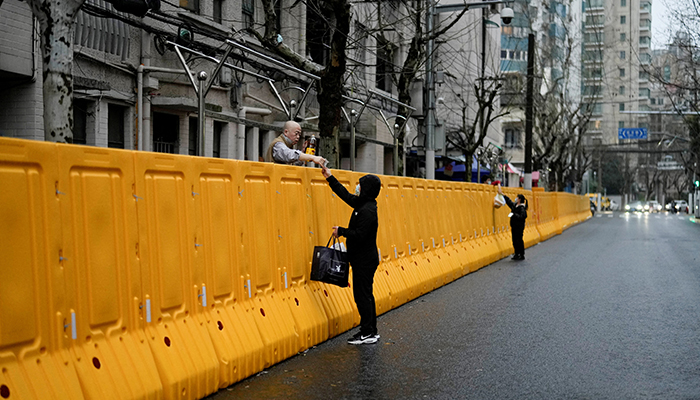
(138, 275)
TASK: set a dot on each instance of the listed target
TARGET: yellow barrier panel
(260, 241)
(297, 242)
(233, 332)
(36, 328)
(102, 274)
(180, 344)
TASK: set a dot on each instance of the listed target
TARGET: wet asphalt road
(608, 310)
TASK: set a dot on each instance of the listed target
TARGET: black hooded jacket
(361, 232)
(517, 221)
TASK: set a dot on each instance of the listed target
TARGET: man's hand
(499, 190)
(325, 171)
(335, 232)
(319, 160)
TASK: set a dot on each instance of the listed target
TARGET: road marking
(681, 217)
(598, 216)
(657, 217)
(610, 216)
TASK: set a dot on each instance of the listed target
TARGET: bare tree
(330, 87)
(56, 21)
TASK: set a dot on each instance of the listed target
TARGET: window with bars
(512, 138)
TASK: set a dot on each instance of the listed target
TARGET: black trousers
(362, 286)
(518, 244)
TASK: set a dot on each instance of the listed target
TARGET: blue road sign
(632, 133)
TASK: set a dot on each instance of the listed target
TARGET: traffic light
(697, 183)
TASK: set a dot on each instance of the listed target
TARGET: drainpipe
(139, 94)
(240, 137)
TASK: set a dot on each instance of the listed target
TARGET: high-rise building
(616, 44)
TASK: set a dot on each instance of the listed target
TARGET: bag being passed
(330, 265)
(499, 201)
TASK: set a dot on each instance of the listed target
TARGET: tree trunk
(330, 95)
(56, 20)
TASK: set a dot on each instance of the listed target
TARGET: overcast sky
(659, 22)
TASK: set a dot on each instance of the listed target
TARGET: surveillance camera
(507, 15)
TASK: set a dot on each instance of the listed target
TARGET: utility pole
(429, 81)
(529, 110)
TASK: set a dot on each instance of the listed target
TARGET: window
(192, 5)
(193, 136)
(661, 101)
(82, 114)
(360, 52)
(644, 93)
(623, 19)
(218, 128)
(643, 75)
(318, 38)
(667, 72)
(218, 13)
(644, 40)
(115, 126)
(248, 13)
(653, 101)
(623, 37)
(384, 66)
(512, 138)
(621, 107)
(620, 124)
(622, 90)
(511, 54)
(623, 3)
(622, 55)
(622, 72)
(504, 54)
(166, 129)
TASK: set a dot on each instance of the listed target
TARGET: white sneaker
(363, 339)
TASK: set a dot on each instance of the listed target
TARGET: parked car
(636, 206)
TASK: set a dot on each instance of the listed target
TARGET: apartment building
(616, 46)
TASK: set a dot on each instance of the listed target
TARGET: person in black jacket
(361, 235)
(517, 223)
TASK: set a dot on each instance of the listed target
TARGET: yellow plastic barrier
(167, 249)
(36, 324)
(233, 332)
(103, 275)
(147, 276)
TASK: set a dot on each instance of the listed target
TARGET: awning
(515, 170)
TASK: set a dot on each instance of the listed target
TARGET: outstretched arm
(338, 188)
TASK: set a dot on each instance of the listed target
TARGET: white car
(681, 206)
(654, 206)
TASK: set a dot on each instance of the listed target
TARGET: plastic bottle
(311, 148)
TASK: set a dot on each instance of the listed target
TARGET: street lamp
(507, 15)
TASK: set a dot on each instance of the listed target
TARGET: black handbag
(330, 265)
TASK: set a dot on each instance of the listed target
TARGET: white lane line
(610, 216)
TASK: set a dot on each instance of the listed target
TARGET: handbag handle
(329, 241)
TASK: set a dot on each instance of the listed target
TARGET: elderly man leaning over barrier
(282, 151)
